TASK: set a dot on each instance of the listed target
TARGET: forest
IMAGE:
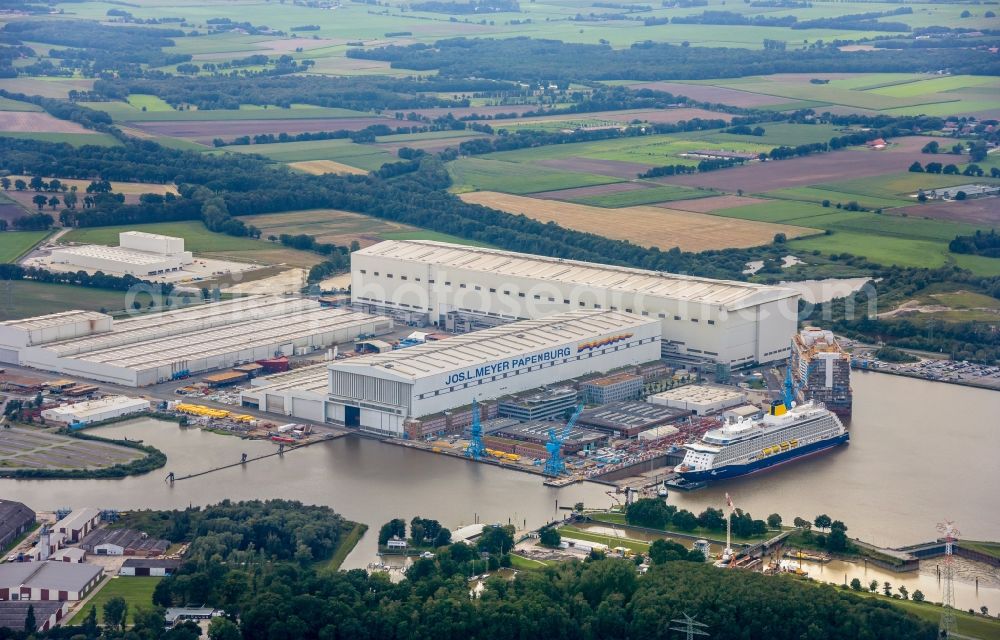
(536, 60)
(363, 93)
(257, 561)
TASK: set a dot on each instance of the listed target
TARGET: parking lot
(28, 448)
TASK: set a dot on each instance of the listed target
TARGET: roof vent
(388, 365)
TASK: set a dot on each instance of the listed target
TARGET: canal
(921, 452)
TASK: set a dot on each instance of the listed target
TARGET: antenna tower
(948, 595)
(689, 627)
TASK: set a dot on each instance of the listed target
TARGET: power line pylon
(689, 627)
(951, 534)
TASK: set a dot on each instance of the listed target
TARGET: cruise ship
(787, 432)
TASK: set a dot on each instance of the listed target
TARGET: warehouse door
(352, 416)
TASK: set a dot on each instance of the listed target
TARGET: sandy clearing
(290, 281)
(319, 167)
(37, 122)
(644, 225)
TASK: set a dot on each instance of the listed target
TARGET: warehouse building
(137, 254)
(16, 519)
(156, 567)
(537, 433)
(699, 399)
(60, 581)
(14, 614)
(123, 542)
(629, 419)
(78, 523)
(459, 288)
(159, 347)
(379, 392)
(107, 408)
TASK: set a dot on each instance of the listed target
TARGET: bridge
(766, 545)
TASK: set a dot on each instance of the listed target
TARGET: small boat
(661, 491)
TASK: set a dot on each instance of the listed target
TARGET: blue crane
(790, 388)
(555, 465)
(476, 448)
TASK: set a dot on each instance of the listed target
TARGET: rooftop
(59, 576)
(147, 235)
(607, 381)
(12, 516)
(491, 345)
(538, 431)
(315, 378)
(700, 393)
(53, 320)
(77, 518)
(117, 254)
(14, 612)
(630, 414)
(78, 409)
(125, 538)
(730, 294)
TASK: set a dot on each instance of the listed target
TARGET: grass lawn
(14, 244)
(667, 193)
(902, 185)
(347, 544)
(24, 299)
(138, 593)
(526, 564)
(968, 624)
(75, 139)
(480, 174)
(989, 548)
(143, 101)
(818, 195)
(638, 546)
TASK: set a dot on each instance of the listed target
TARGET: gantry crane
(555, 465)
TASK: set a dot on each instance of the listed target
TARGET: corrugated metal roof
(729, 293)
(489, 345)
(54, 320)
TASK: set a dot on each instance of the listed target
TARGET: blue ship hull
(737, 470)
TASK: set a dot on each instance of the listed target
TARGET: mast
(728, 552)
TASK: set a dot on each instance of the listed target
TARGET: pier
(282, 449)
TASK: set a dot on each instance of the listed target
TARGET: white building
(18, 334)
(158, 347)
(64, 581)
(700, 399)
(106, 408)
(378, 392)
(78, 523)
(138, 254)
(460, 287)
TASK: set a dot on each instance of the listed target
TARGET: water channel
(921, 452)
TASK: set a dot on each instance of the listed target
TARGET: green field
(472, 174)
(886, 239)
(137, 591)
(903, 185)
(14, 244)
(144, 102)
(24, 299)
(817, 195)
(968, 624)
(203, 242)
(667, 193)
(123, 111)
(432, 235)
(363, 156)
(75, 139)
(6, 104)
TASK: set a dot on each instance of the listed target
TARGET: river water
(920, 452)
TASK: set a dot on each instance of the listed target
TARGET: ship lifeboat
(794, 443)
(784, 445)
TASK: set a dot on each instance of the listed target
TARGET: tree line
(536, 60)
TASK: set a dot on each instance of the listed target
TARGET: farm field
(6, 104)
(24, 299)
(647, 226)
(901, 185)
(362, 156)
(37, 122)
(14, 244)
(163, 112)
(45, 86)
(206, 131)
(137, 592)
(131, 190)
(202, 242)
(320, 167)
(982, 212)
(651, 195)
(849, 164)
(899, 94)
(74, 139)
(342, 227)
(493, 175)
(887, 239)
